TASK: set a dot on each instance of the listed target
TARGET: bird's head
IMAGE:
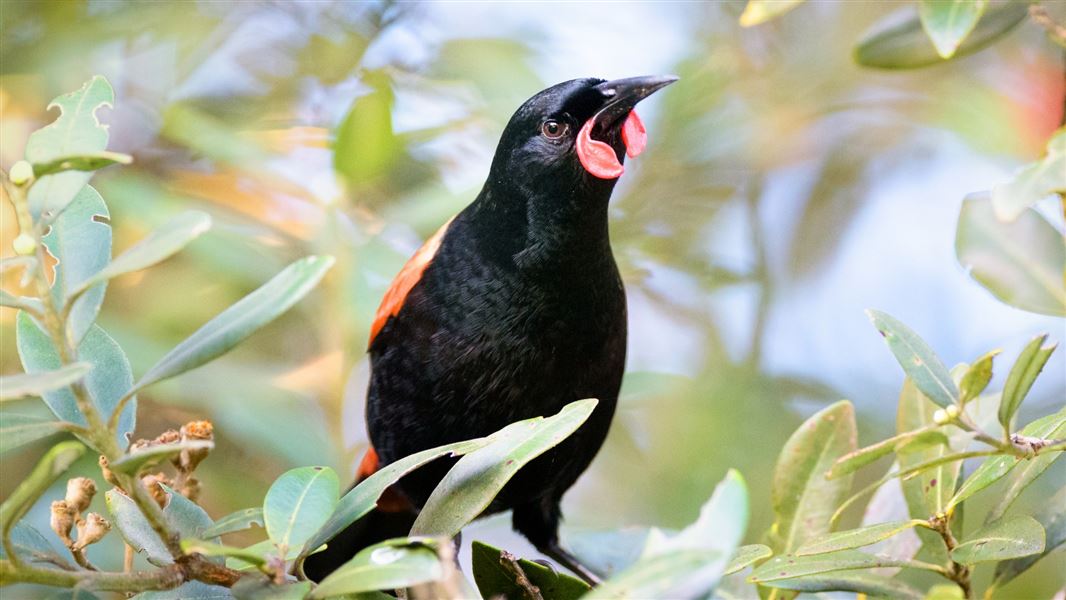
(575, 135)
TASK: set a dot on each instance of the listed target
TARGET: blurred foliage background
(784, 190)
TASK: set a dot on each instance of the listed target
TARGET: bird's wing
(407, 278)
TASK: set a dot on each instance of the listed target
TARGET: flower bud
(91, 529)
(105, 468)
(941, 417)
(24, 244)
(153, 483)
(953, 412)
(80, 492)
(62, 520)
(21, 172)
(195, 431)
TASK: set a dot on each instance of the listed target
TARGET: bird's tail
(393, 517)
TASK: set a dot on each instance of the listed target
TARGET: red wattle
(597, 157)
(634, 135)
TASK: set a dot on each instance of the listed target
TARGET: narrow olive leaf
(393, 564)
(1022, 375)
(747, 555)
(896, 44)
(53, 464)
(1023, 475)
(1052, 517)
(21, 302)
(758, 12)
(803, 499)
(879, 586)
(948, 22)
(138, 460)
(84, 162)
(298, 504)
(495, 576)
(1020, 262)
(788, 566)
(242, 319)
(475, 480)
(666, 575)
(1033, 182)
(856, 538)
(13, 387)
(996, 467)
(976, 378)
(1010, 538)
(212, 549)
(918, 360)
(76, 132)
(923, 441)
(160, 245)
(362, 499)
(236, 521)
(853, 461)
(18, 430)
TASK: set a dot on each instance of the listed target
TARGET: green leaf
(32, 547)
(366, 147)
(18, 430)
(393, 564)
(265, 548)
(494, 579)
(758, 12)
(81, 243)
(976, 378)
(1052, 517)
(788, 566)
(262, 588)
(996, 467)
(193, 590)
(747, 555)
(1021, 263)
(1010, 538)
(1022, 375)
(160, 245)
(1022, 476)
(922, 441)
(362, 499)
(53, 464)
(236, 521)
(948, 22)
(107, 382)
(140, 459)
(248, 555)
(850, 581)
(77, 131)
(803, 499)
(1033, 182)
(918, 360)
(475, 480)
(608, 551)
(720, 526)
(242, 319)
(26, 385)
(895, 44)
(84, 162)
(668, 575)
(856, 538)
(853, 461)
(182, 514)
(298, 503)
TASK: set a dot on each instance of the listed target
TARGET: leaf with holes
(298, 504)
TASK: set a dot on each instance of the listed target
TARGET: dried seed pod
(91, 529)
(169, 436)
(109, 476)
(62, 520)
(153, 483)
(80, 492)
(194, 431)
(191, 489)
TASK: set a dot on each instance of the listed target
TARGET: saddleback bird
(513, 309)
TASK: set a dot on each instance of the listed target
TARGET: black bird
(513, 309)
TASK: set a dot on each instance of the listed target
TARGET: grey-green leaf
(1023, 475)
(236, 521)
(747, 555)
(1021, 262)
(183, 515)
(21, 302)
(138, 460)
(107, 382)
(721, 524)
(18, 430)
(1052, 517)
(1022, 375)
(788, 566)
(160, 245)
(250, 555)
(668, 575)
(298, 503)
(394, 564)
(31, 545)
(855, 538)
(193, 590)
(855, 460)
(494, 580)
(26, 385)
(859, 582)
(474, 481)
(53, 464)
(242, 319)
(803, 499)
(91, 161)
(948, 22)
(1005, 539)
(262, 588)
(918, 360)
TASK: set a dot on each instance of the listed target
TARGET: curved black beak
(621, 95)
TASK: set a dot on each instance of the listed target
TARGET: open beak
(621, 95)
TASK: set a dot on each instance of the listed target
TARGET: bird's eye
(553, 130)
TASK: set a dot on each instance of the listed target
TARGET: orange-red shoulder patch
(407, 278)
(391, 500)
